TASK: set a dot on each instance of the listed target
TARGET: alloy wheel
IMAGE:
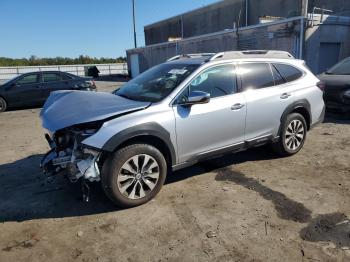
(294, 135)
(138, 176)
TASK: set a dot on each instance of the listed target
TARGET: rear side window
(51, 77)
(279, 80)
(289, 73)
(256, 75)
(66, 76)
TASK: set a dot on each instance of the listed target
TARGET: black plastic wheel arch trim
(148, 129)
(303, 103)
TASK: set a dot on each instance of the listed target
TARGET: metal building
(308, 29)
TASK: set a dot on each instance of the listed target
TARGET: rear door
(268, 94)
(52, 81)
(69, 83)
(26, 91)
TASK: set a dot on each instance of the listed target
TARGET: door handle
(285, 95)
(237, 106)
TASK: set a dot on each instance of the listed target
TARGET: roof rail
(252, 54)
(184, 56)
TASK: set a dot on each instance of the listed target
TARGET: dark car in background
(337, 87)
(32, 89)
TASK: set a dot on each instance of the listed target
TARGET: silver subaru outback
(188, 109)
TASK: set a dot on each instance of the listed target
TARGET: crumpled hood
(66, 108)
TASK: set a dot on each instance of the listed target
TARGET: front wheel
(292, 135)
(134, 175)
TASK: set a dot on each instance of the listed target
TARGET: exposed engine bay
(70, 158)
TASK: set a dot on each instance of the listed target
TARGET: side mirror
(197, 97)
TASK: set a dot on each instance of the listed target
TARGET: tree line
(37, 61)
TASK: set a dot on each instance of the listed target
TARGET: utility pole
(304, 7)
(133, 20)
(246, 12)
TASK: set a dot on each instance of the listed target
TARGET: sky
(69, 28)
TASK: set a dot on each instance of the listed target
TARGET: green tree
(36, 61)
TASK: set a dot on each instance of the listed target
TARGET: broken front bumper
(76, 162)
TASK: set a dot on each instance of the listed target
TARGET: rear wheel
(3, 105)
(292, 135)
(134, 175)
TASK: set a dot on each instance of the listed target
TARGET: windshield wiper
(124, 96)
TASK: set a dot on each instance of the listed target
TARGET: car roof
(189, 61)
(38, 72)
(237, 56)
(206, 61)
(253, 54)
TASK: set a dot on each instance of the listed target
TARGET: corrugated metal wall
(280, 35)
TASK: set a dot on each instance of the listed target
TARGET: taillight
(321, 85)
(91, 83)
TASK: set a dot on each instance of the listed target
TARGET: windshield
(8, 81)
(342, 68)
(156, 83)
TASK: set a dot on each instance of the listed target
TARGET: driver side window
(28, 79)
(217, 81)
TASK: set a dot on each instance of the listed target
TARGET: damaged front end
(68, 156)
(70, 118)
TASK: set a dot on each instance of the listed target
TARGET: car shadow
(254, 154)
(27, 194)
(19, 108)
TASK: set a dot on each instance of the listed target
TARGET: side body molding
(147, 129)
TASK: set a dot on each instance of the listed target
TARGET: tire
(3, 105)
(292, 135)
(128, 184)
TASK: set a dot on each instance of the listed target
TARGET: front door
(26, 91)
(219, 124)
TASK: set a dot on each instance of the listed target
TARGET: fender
(303, 103)
(147, 129)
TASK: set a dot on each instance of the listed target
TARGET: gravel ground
(250, 206)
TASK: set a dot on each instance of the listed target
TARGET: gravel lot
(250, 206)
